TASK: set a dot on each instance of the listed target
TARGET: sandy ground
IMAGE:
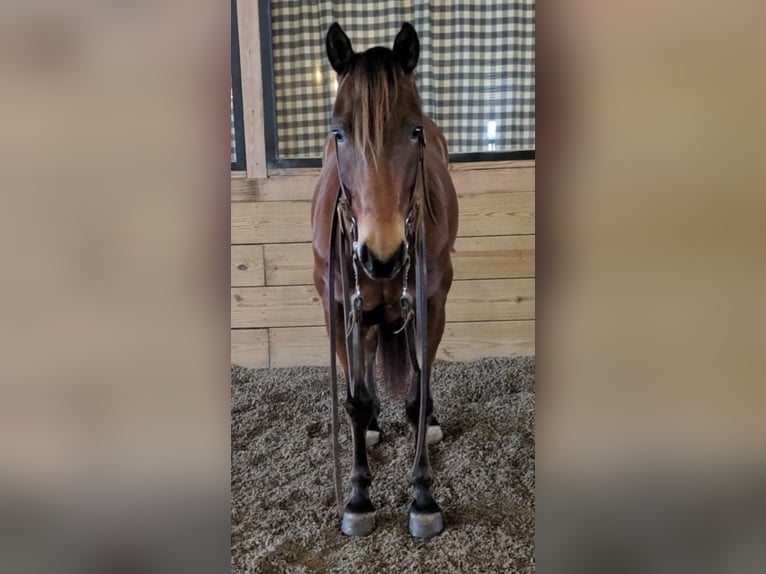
(282, 517)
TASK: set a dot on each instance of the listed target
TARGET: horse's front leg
(370, 350)
(425, 515)
(359, 513)
(434, 432)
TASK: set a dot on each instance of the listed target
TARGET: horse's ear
(407, 47)
(339, 50)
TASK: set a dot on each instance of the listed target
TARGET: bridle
(344, 233)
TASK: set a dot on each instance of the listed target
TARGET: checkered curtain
(476, 72)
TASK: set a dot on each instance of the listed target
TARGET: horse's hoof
(372, 437)
(357, 523)
(434, 434)
(426, 524)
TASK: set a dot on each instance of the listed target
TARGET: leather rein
(343, 238)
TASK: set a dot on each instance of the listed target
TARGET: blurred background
(650, 281)
(114, 393)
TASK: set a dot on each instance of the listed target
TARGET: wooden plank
(499, 257)
(256, 307)
(493, 180)
(501, 213)
(250, 348)
(289, 264)
(299, 186)
(309, 346)
(497, 214)
(491, 300)
(243, 189)
(270, 222)
(296, 188)
(252, 88)
(247, 269)
(300, 346)
(299, 305)
(472, 341)
(477, 165)
(290, 188)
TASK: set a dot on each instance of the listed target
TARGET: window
(237, 122)
(476, 72)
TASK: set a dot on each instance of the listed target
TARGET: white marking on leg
(434, 434)
(372, 437)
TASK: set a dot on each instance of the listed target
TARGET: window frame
(271, 134)
(236, 88)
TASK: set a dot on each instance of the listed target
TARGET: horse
(384, 202)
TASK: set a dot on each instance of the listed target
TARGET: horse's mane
(379, 88)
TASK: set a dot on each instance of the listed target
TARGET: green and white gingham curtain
(476, 72)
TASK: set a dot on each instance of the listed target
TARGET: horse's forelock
(377, 84)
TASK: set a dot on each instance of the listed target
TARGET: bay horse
(384, 203)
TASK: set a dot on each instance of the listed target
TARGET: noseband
(344, 233)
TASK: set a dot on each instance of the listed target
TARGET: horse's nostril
(377, 268)
(365, 256)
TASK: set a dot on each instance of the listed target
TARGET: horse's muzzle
(377, 269)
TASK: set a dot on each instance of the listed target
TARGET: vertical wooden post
(252, 91)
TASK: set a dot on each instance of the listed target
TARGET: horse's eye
(339, 135)
(417, 132)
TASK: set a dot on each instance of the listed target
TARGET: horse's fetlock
(361, 411)
(412, 408)
(422, 480)
(361, 478)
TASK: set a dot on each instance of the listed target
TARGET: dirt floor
(282, 517)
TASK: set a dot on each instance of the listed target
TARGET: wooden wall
(276, 315)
